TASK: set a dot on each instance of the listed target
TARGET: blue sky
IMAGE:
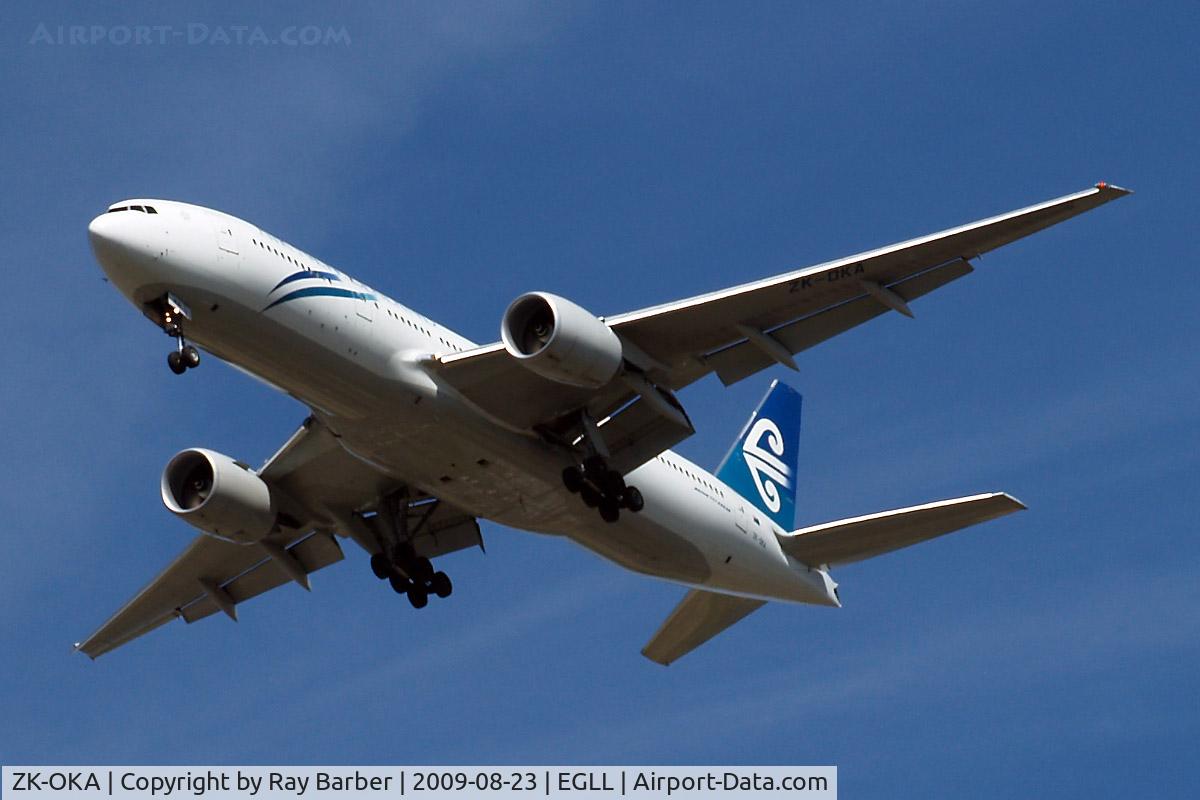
(623, 154)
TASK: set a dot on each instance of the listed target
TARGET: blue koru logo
(766, 466)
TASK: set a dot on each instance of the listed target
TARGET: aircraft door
(365, 308)
(739, 513)
(225, 238)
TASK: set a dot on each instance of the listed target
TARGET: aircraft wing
(850, 540)
(209, 576)
(319, 486)
(738, 331)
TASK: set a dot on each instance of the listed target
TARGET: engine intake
(221, 497)
(561, 341)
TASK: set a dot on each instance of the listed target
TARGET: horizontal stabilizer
(849, 540)
(699, 617)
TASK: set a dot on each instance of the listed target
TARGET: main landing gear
(396, 560)
(602, 488)
(412, 575)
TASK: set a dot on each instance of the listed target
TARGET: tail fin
(761, 465)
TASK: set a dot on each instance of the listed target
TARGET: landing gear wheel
(594, 467)
(441, 585)
(399, 585)
(632, 499)
(175, 362)
(380, 566)
(422, 569)
(572, 478)
(191, 357)
(591, 498)
(609, 510)
(613, 484)
(418, 597)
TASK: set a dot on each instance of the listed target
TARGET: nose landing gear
(185, 358)
(170, 314)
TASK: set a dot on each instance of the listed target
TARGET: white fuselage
(355, 357)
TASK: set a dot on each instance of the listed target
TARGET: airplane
(562, 427)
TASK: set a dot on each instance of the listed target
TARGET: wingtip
(1110, 187)
(655, 658)
(1019, 505)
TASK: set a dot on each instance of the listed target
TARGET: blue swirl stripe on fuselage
(321, 291)
(306, 273)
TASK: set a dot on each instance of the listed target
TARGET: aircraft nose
(122, 248)
(96, 227)
(106, 237)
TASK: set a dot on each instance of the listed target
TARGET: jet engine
(219, 496)
(561, 341)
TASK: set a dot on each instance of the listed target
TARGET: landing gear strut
(171, 317)
(603, 488)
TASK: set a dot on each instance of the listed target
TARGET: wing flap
(849, 540)
(446, 530)
(639, 433)
(312, 552)
(699, 617)
(744, 359)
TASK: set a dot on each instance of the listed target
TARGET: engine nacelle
(561, 341)
(214, 493)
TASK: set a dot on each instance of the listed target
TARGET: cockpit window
(143, 209)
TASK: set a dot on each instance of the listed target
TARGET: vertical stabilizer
(761, 465)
